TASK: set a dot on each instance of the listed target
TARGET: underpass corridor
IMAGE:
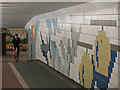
(62, 45)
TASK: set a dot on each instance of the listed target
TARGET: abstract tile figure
(35, 35)
(31, 45)
(32, 32)
(28, 46)
(54, 21)
(44, 48)
(102, 63)
(104, 59)
(54, 49)
(86, 71)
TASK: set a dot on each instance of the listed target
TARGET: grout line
(20, 79)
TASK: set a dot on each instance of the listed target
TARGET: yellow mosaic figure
(102, 54)
(86, 71)
(100, 61)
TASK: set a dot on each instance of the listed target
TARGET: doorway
(22, 34)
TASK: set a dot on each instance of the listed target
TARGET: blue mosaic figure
(45, 49)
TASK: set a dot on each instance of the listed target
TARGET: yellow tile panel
(88, 70)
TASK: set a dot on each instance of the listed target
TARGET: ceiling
(16, 15)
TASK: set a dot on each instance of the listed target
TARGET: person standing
(16, 44)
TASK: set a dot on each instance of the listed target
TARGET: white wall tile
(61, 34)
(75, 27)
(67, 27)
(111, 86)
(74, 68)
(115, 69)
(74, 76)
(89, 29)
(80, 54)
(56, 38)
(91, 52)
(87, 39)
(77, 61)
(67, 35)
(112, 32)
(114, 41)
(114, 80)
(83, 49)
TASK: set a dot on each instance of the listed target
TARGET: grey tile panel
(75, 35)
(68, 50)
(88, 46)
(104, 22)
(68, 42)
(66, 56)
(53, 61)
(73, 43)
(72, 51)
(74, 46)
(62, 49)
(84, 45)
(115, 47)
(45, 47)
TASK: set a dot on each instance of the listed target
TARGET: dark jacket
(16, 42)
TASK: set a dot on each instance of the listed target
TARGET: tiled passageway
(68, 45)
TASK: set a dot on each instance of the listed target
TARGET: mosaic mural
(22, 34)
(86, 53)
(31, 47)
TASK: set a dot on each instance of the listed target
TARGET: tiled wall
(31, 46)
(82, 46)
